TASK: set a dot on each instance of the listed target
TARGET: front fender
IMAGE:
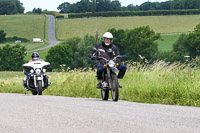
(114, 69)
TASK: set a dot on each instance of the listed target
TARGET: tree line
(115, 5)
(11, 7)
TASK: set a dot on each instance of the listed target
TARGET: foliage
(12, 57)
(187, 45)
(81, 55)
(108, 5)
(37, 10)
(135, 42)
(134, 13)
(2, 36)
(11, 7)
(15, 38)
(59, 55)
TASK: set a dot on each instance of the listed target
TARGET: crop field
(159, 83)
(25, 26)
(166, 25)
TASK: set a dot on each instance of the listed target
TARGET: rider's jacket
(108, 52)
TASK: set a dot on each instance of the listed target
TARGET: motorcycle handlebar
(119, 56)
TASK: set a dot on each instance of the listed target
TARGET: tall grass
(159, 83)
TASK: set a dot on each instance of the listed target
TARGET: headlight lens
(38, 71)
(44, 70)
(32, 71)
(111, 63)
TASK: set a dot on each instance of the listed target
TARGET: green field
(162, 84)
(25, 26)
(42, 54)
(67, 28)
(166, 44)
(30, 45)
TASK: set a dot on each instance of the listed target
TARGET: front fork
(37, 78)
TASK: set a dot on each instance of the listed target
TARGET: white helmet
(107, 35)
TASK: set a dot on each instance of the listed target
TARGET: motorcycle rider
(109, 51)
(35, 57)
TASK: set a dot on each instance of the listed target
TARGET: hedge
(135, 13)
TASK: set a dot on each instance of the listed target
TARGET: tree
(2, 36)
(59, 55)
(187, 45)
(81, 55)
(37, 10)
(12, 57)
(135, 42)
(141, 41)
(11, 7)
(63, 7)
(115, 6)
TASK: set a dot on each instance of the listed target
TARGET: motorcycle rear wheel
(115, 88)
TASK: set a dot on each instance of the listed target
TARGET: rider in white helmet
(107, 50)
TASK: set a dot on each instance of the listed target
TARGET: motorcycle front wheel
(104, 94)
(115, 88)
(34, 92)
(39, 91)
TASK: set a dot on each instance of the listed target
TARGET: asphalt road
(51, 34)
(20, 113)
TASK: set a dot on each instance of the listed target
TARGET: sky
(51, 5)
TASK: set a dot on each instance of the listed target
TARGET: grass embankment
(159, 83)
(67, 28)
(169, 26)
(25, 26)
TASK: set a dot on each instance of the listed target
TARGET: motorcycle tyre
(39, 91)
(104, 94)
(34, 92)
(115, 88)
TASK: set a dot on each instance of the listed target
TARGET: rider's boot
(119, 84)
(99, 84)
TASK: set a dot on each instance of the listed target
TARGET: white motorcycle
(36, 80)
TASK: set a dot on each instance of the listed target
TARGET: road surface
(51, 34)
(20, 113)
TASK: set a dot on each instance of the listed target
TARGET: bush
(187, 45)
(60, 57)
(135, 13)
(2, 36)
(15, 38)
(12, 57)
(60, 16)
(135, 42)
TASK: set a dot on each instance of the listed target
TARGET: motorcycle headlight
(38, 71)
(44, 70)
(32, 71)
(111, 63)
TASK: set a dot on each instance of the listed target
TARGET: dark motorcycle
(36, 81)
(110, 80)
